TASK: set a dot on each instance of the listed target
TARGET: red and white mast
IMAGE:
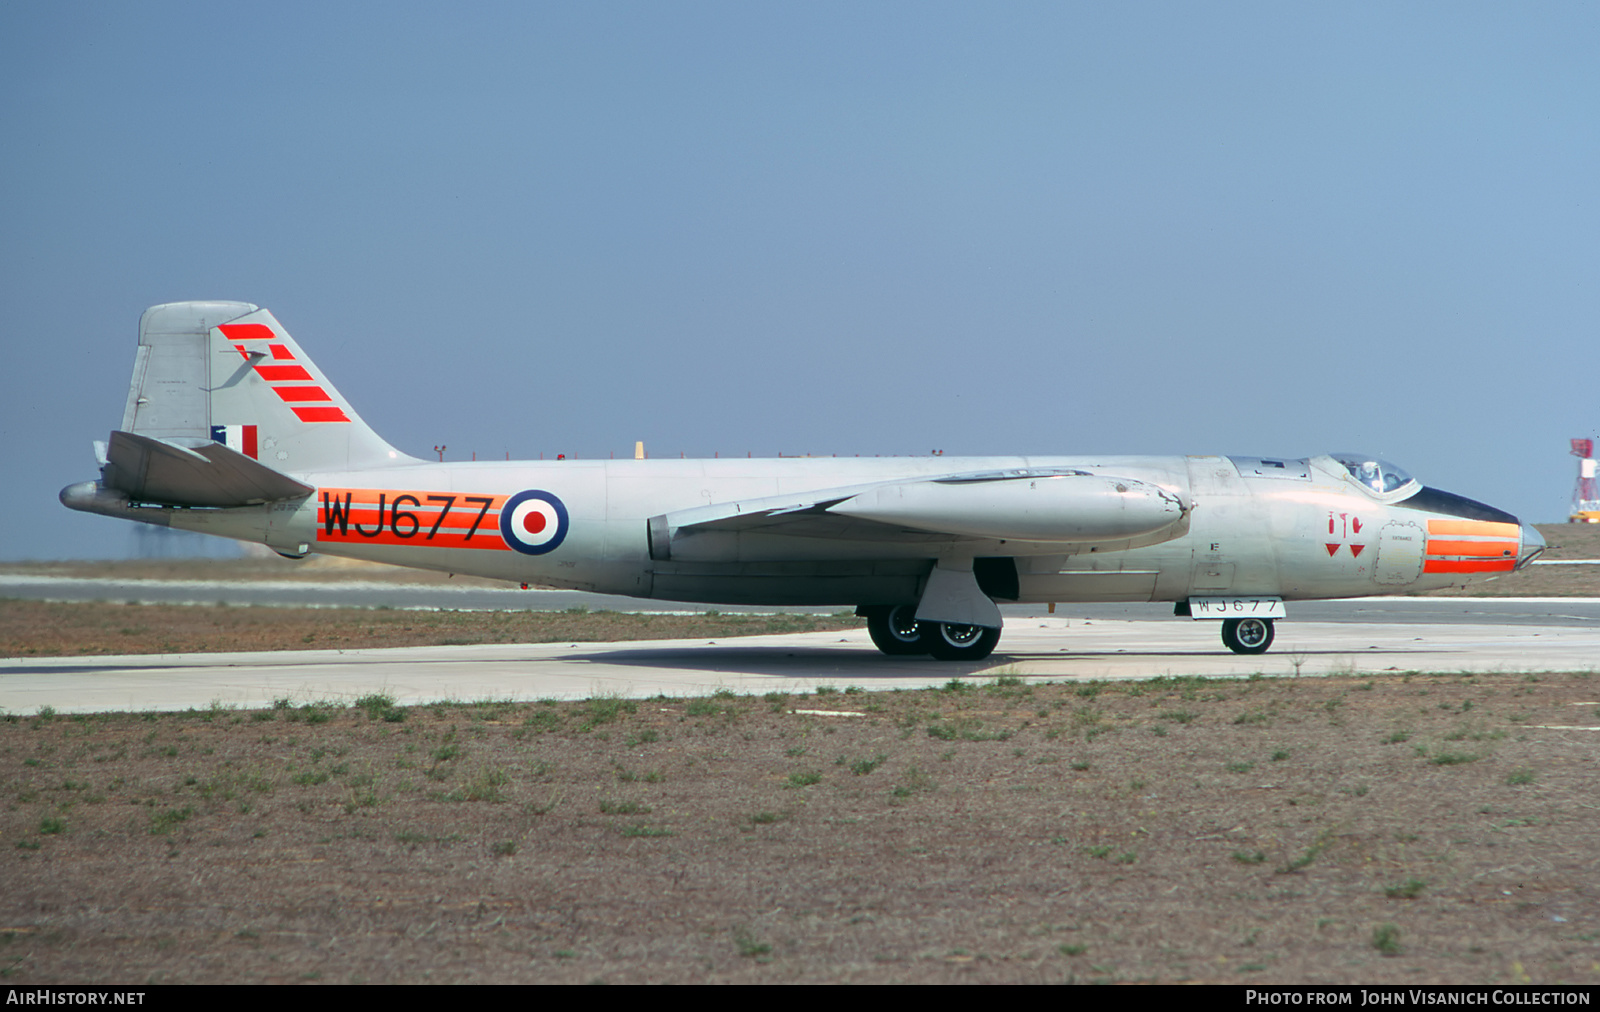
(1586, 496)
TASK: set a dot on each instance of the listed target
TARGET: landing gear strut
(1247, 635)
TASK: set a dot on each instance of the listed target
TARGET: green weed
(1310, 855)
(1386, 939)
(749, 947)
(913, 781)
(1410, 889)
(543, 720)
(606, 709)
(861, 767)
(163, 823)
(483, 785)
(642, 830)
(380, 706)
(710, 707)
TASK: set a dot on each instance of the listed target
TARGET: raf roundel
(533, 522)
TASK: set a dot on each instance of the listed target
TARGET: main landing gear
(1247, 635)
(896, 631)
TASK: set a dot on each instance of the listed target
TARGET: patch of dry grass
(1271, 835)
(46, 629)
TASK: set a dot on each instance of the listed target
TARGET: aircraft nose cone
(1533, 546)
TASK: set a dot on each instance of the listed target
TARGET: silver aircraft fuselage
(1301, 530)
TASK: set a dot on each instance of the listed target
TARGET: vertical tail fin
(228, 372)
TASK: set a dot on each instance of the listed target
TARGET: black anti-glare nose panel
(1438, 501)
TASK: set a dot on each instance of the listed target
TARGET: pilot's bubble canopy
(1373, 472)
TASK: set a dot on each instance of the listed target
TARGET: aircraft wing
(1024, 504)
(805, 516)
(153, 470)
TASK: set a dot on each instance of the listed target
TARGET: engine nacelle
(1069, 508)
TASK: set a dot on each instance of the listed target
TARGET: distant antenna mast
(1586, 496)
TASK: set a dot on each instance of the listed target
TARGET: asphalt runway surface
(1380, 637)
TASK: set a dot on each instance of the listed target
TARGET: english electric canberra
(230, 429)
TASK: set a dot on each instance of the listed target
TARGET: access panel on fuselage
(1231, 533)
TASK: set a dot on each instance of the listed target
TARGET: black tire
(948, 641)
(1247, 635)
(895, 630)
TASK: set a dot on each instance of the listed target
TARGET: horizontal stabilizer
(157, 471)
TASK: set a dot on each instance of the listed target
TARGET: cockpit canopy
(1379, 475)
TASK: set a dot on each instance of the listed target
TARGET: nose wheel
(1247, 635)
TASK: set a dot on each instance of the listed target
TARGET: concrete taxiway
(1048, 648)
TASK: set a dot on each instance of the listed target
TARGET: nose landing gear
(1247, 635)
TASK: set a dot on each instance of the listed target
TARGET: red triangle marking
(1332, 549)
(1356, 549)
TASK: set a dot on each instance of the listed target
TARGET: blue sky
(822, 228)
